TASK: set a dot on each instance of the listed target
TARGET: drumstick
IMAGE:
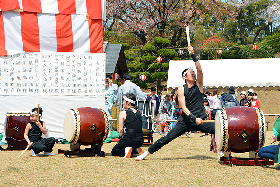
(23, 151)
(38, 112)
(208, 121)
(188, 36)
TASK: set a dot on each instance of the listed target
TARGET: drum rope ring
(77, 125)
(107, 124)
(225, 131)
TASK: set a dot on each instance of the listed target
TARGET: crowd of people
(214, 102)
(166, 107)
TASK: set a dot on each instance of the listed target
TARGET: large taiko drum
(86, 126)
(239, 129)
(15, 124)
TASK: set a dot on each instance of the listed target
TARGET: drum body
(15, 124)
(86, 126)
(239, 129)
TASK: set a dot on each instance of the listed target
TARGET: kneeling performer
(33, 134)
(131, 119)
(190, 97)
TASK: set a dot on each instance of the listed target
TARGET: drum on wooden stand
(15, 124)
(239, 129)
(86, 126)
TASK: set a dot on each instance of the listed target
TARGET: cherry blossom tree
(165, 18)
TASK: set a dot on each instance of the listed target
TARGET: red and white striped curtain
(93, 8)
(51, 26)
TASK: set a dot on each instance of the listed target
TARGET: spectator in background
(272, 151)
(250, 96)
(155, 99)
(165, 105)
(109, 98)
(113, 86)
(206, 106)
(229, 99)
(255, 102)
(243, 101)
(214, 103)
(130, 87)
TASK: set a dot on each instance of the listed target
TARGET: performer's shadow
(196, 157)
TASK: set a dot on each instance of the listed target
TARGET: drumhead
(221, 127)
(71, 126)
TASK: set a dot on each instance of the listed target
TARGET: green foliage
(132, 54)
(160, 75)
(148, 58)
(177, 58)
(165, 66)
(127, 46)
(149, 47)
(272, 41)
(161, 42)
(167, 53)
(247, 52)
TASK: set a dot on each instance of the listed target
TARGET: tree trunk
(142, 36)
(241, 28)
(159, 86)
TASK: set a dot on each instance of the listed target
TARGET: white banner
(52, 74)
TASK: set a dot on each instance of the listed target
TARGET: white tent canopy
(229, 72)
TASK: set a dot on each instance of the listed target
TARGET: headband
(129, 100)
(185, 73)
(34, 113)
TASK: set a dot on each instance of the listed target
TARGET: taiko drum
(15, 124)
(239, 129)
(86, 126)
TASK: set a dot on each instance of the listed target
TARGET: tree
(145, 62)
(164, 18)
(273, 42)
(253, 21)
(262, 52)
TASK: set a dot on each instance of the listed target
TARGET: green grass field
(183, 162)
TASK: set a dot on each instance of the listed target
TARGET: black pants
(180, 128)
(127, 141)
(45, 144)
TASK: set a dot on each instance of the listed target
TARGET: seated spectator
(272, 151)
(229, 99)
(255, 102)
(243, 100)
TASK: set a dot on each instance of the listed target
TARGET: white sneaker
(33, 153)
(49, 154)
(220, 155)
(128, 151)
(142, 156)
